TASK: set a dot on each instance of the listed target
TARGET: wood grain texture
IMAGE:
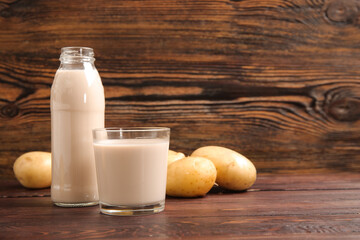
(265, 182)
(277, 80)
(280, 208)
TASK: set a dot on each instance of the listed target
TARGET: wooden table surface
(321, 206)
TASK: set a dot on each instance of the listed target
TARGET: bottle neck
(77, 66)
(77, 58)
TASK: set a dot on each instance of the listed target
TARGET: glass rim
(132, 129)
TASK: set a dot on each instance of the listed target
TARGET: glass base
(83, 204)
(123, 210)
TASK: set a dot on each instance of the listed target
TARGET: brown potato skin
(33, 169)
(190, 177)
(234, 171)
(174, 156)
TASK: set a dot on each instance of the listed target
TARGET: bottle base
(70, 205)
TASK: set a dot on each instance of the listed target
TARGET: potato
(33, 169)
(174, 156)
(190, 177)
(234, 171)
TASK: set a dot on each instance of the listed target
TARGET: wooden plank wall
(277, 80)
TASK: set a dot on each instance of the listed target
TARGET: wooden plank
(264, 182)
(276, 80)
(12, 189)
(322, 206)
(300, 214)
(294, 182)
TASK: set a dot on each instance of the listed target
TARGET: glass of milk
(131, 167)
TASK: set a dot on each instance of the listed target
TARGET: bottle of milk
(77, 107)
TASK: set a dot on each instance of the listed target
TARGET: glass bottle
(77, 107)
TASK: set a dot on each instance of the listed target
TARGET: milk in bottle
(77, 107)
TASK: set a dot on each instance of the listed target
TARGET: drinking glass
(131, 168)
